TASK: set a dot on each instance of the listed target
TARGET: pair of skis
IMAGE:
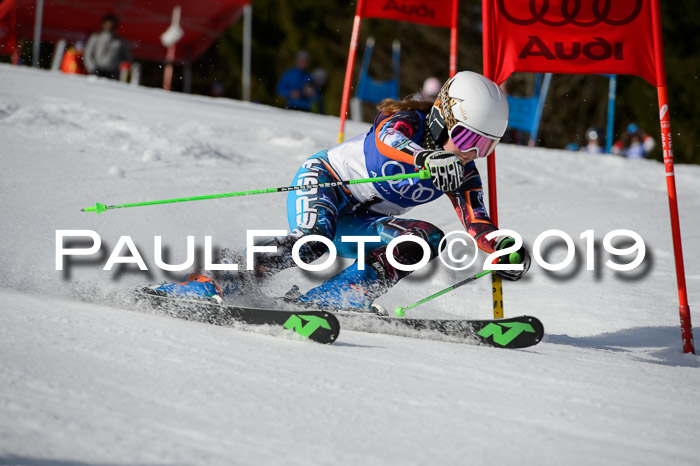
(324, 326)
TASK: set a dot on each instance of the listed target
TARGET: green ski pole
(422, 174)
(513, 258)
(401, 311)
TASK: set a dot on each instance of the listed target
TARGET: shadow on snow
(657, 345)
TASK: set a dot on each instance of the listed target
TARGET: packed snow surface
(86, 379)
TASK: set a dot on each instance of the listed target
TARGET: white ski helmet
(471, 110)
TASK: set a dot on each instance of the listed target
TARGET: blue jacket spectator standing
(296, 84)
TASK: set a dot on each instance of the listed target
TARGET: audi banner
(569, 36)
(431, 12)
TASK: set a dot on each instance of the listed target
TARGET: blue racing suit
(370, 209)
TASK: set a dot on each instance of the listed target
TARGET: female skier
(466, 121)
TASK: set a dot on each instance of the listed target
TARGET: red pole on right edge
(684, 307)
(348, 71)
(665, 119)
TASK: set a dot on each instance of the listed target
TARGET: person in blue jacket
(466, 121)
(296, 84)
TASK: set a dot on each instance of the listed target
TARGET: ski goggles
(466, 139)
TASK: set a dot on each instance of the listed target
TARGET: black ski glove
(521, 256)
(446, 170)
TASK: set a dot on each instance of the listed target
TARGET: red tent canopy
(142, 22)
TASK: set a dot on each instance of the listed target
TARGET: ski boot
(211, 287)
(294, 296)
(196, 287)
(352, 290)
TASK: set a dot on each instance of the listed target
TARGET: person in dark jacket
(296, 84)
(106, 51)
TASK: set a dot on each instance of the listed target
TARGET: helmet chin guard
(436, 126)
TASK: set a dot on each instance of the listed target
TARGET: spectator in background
(72, 62)
(106, 51)
(593, 141)
(320, 81)
(429, 91)
(296, 84)
(634, 143)
(217, 89)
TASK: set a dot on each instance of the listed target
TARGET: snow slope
(97, 383)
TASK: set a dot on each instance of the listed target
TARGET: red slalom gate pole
(489, 72)
(168, 72)
(684, 307)
(453, 38)
(665, 121)
(348, 70)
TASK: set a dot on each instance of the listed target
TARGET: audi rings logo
(572, 12)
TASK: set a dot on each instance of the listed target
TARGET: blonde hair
(393, 106)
